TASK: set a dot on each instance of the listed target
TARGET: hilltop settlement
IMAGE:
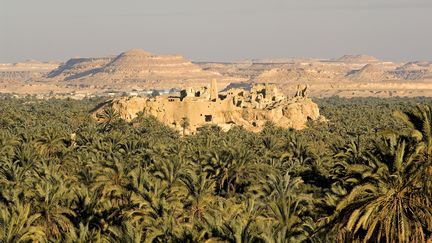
(192, 108)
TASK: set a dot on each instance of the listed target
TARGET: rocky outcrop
(249, 109)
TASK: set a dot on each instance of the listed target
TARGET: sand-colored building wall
(197, 111)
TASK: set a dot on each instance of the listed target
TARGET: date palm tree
(7, 143)
(17, 224)
(285, 209)
(112, 181)
(228, 221)
(200, 194)
(419, 121)
(84, 234)
(55, 213)
(108, 119)
(387, 203)
(50, 142)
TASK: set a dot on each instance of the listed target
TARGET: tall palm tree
(17, 224)
(86, 206)
(228, 221)
(200, 194)
(7, 143)
(12, 173)
(52, 203)
(83, 234)
(112, 181)
(50, 142)
(230, 166)
(169, 169)
(387, 203)
(108, 119)
(126, 232)
(285, 209)
(25, 155)
(419, 121)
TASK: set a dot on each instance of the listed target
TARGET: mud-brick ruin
(249, 108)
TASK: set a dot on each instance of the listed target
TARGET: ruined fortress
(249, 108)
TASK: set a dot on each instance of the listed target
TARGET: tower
(213, 90)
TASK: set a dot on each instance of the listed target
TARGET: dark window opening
(208, 118)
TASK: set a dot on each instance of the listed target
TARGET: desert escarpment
(347, 76)
(79, 67)
(135, 67)
(24, 71)
(137, 72)
(370, 73)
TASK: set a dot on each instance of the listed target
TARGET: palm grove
(363, 176)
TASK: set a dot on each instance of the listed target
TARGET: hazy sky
(216, 30)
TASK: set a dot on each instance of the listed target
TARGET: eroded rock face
(250, 109)
(79, 67)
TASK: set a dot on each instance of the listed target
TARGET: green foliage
(362, 176)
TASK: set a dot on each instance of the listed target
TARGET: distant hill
(303, 72)
(26, 70)
(414, 70)
(370, 73)
(136, 71)
(356, 58)
(79, 67)
(135, 65)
